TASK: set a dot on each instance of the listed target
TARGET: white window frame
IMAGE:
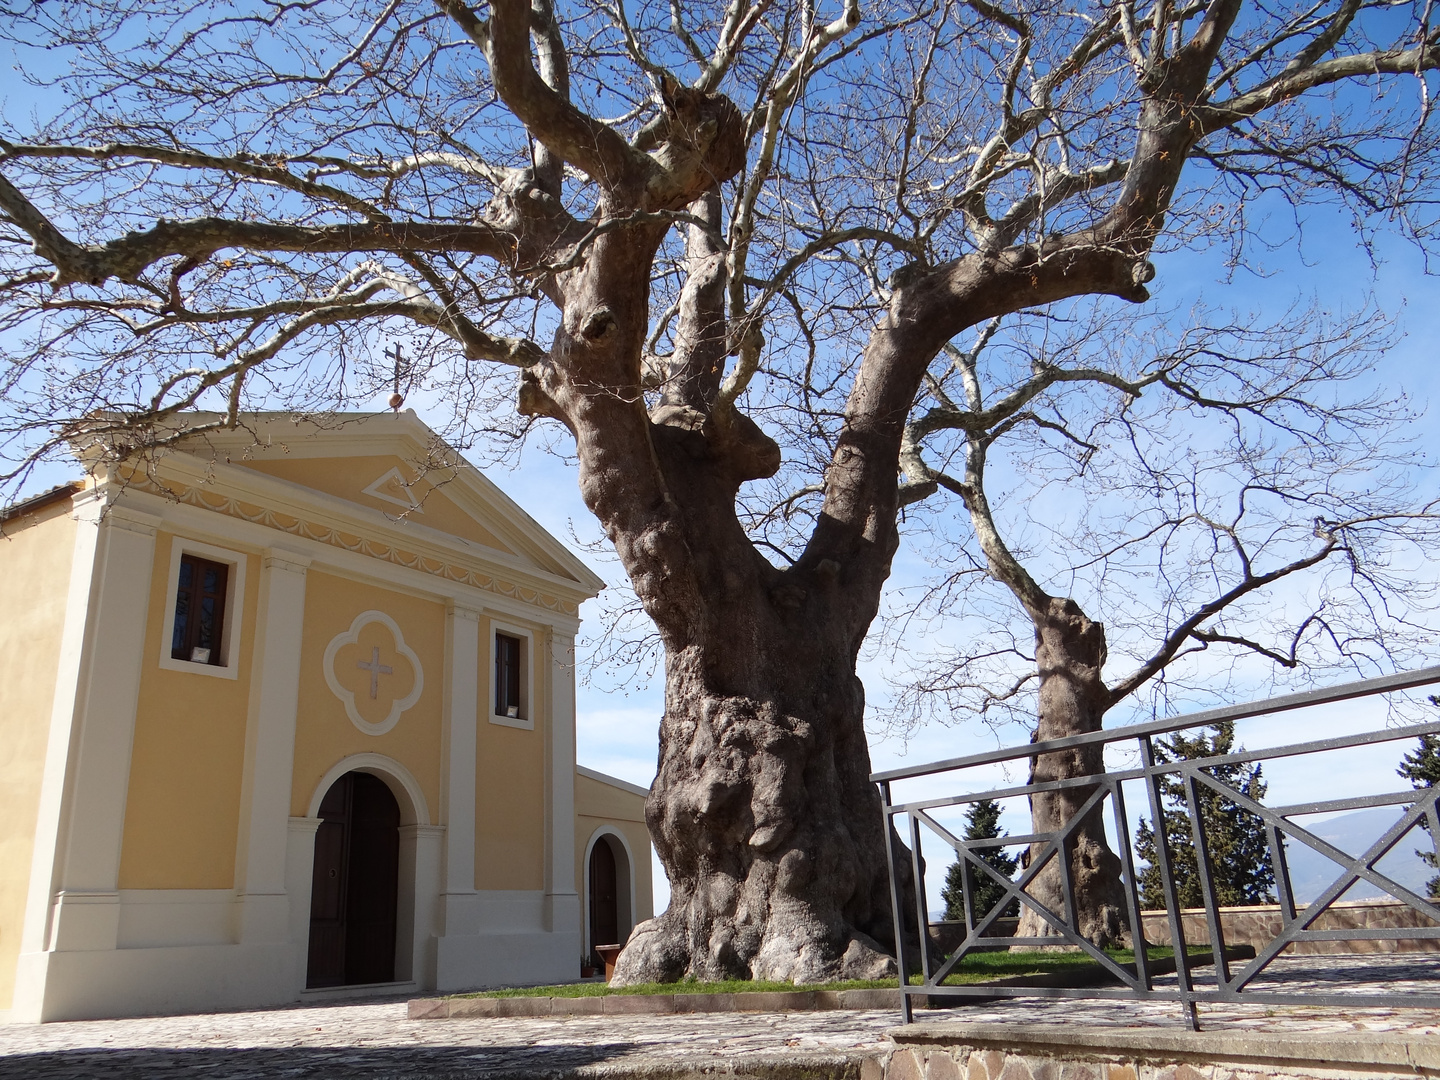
(229, 666)
(526, 719)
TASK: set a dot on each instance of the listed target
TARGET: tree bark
(1070, 654)
(762, 812)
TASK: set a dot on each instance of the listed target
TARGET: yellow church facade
(290, 714)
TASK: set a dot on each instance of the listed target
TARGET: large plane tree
(674, 220)
(1170, 508)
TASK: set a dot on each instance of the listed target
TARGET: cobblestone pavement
(371, 1041)
(376, 1040)
(1410, 973)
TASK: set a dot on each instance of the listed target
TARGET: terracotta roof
(45, 498)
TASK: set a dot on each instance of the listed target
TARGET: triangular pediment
(392, 485)
(396, 466)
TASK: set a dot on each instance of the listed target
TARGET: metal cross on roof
(396, 398)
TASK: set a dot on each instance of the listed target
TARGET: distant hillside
(1311, 873)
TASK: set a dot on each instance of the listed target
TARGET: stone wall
(955, 1051)
(1257, 926)
(973, 1063)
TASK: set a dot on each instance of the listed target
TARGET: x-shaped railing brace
(1355, 868)
(1014, 888)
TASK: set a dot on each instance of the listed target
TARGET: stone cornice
(409, 556)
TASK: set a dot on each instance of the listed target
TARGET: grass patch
(989, 966)
(976, 968)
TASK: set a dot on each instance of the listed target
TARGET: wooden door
(354, 884)
(327, 888)
(604, 901)
(374, 877)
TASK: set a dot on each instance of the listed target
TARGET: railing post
(922, 911)
(1280, 865)
(1432, 813)
(1206, 871)
(902, 958)
(966, 889)
(1132, 893)
(1167, 881)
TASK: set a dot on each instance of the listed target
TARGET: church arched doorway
(608, 884)
(354, 891)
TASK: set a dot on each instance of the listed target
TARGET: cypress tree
(982, 822)
(1422, 769)
(1239, 851)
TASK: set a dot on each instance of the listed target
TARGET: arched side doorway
(609, 892)
(355, 885)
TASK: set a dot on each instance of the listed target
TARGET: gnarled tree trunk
(763, 813)
(1069, 658)
(1070, 653)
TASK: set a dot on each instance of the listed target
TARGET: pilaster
(457, 796)
(562, 904)
(99, 733)
(416, 917)
(63, 724)
(299, 879)
(265, 830)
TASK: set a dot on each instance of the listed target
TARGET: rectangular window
(199, 611)
(507, 675)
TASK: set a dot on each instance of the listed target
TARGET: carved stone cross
(376, 669)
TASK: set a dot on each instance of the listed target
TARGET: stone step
(653, 1004)
(961, 1051)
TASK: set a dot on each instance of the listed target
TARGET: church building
(288, 714)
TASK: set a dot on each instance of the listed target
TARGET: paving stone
(705, 1003)
(428, 1009)
(868, 999)
(377, 1040)
(775, 1001)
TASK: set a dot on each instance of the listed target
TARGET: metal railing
(1229, 985)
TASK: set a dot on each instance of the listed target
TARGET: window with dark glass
(507, 675)
(199, 611)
